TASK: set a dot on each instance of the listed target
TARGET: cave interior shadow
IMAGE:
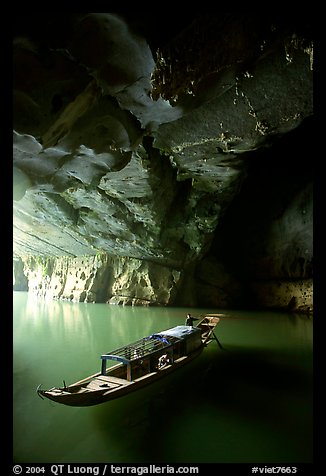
(245, 383)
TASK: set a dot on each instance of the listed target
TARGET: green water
(251, 402)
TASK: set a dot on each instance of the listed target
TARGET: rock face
(102, 278)
(178, 179)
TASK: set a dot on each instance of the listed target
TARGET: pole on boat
(218, 342)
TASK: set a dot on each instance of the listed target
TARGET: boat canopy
(181, 332)
(149, 345)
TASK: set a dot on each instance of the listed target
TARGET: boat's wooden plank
(105, 378)
(120, 381)
(143, 377)
(92, 386)
(98, 385)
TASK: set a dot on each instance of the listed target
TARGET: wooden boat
(138, 364)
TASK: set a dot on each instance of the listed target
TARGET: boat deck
(107, 382)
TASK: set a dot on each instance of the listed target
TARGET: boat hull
(139, 364)
(75, 396)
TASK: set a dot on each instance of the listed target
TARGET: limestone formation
(129, 164)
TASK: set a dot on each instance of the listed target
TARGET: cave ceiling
(132, 134)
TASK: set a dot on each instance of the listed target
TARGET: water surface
(251, 402)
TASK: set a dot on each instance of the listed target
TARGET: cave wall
(265, 241)
(101, 278)
(144, 178)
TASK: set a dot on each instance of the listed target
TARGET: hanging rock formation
(168, 177)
